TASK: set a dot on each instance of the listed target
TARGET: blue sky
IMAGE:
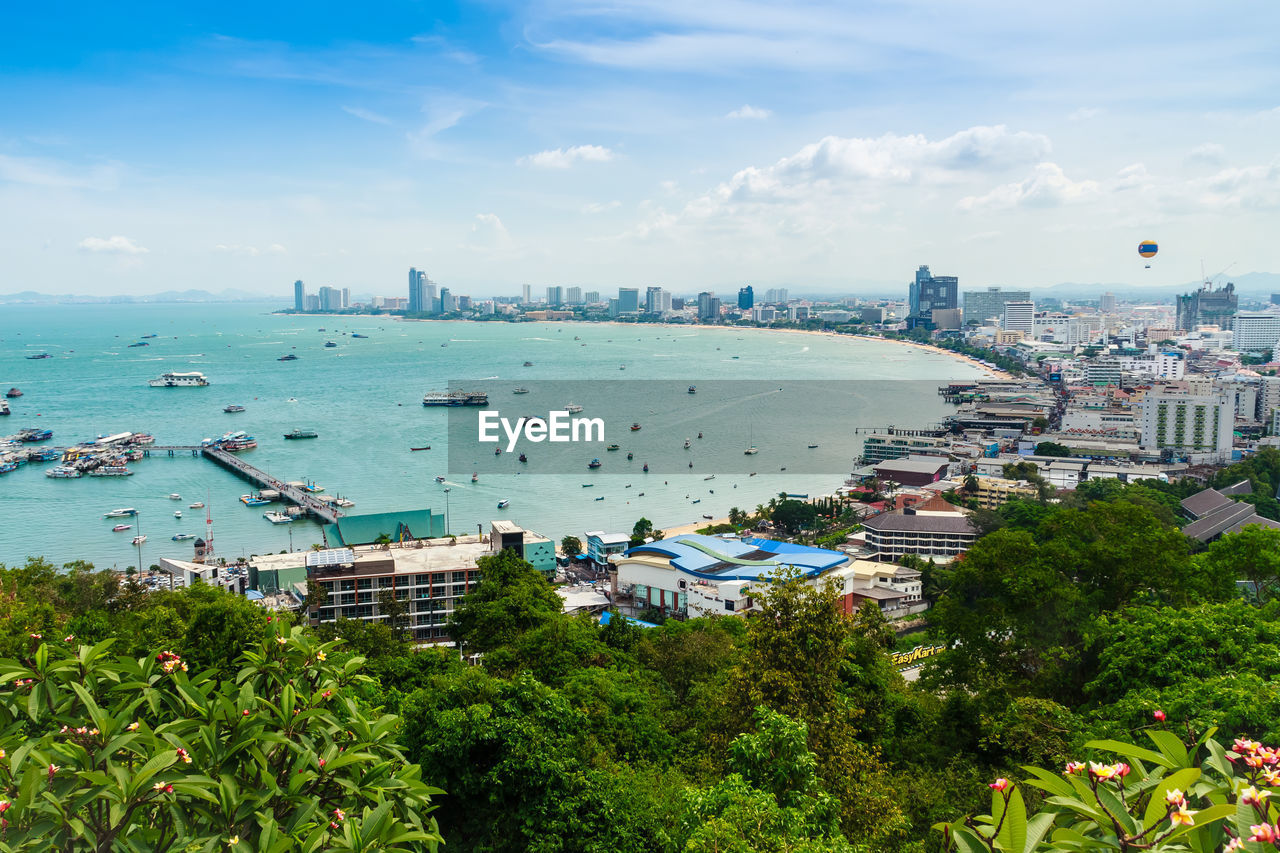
(825, 146)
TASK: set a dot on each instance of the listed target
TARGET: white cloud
(600, 207)
(250, 251)
(1243, 188)
(40, 172)
(1048, 186)
(488, 233)
(748, 111)
(112, 245)
(367, 115)
(1084, 114)
(563, 158)
(1210, 154)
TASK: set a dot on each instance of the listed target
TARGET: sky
(825, 146)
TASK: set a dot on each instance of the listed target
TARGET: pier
(308, 503)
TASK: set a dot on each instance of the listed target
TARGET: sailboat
(751, 450)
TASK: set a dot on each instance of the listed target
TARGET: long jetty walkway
(315, 508)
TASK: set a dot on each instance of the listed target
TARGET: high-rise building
(1107, 303)
(447, 303)
(526, 294)
(415, 291)
(463, 303)
(1275, 299)
(708, 306)
(981, 305)
(1189, 422)
(1207, 307)
(555, 296)
(746, 298)
(313, 302)
(776, 295)
(330, 299)
(628, 300)
(430, 305)
(573, 295)
(1255, 332)
(653, 300)
(346, 297)
(591, 297)
(299, 296)
(1019, 316)
(928, 292)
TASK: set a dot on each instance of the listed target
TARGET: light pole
(138, 539)
(446, 512)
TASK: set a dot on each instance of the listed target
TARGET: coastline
(990, 372)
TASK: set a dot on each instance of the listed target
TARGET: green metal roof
(399, 526)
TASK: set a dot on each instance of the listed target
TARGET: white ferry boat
(276, 517)
(573, 408)
(121, 513)
(179, 380)
(63, 472)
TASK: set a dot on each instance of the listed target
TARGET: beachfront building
(983, 305)
(913, 470)
(534, 548)
(601, 546)
(692, 575)
(881, 447)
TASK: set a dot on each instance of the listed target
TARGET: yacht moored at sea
(179, 380)
(276, 517)
(233, 408)
(139, 539)
(521, 390)
(502, 504)
(456, 398)
(196, 505)
(174, 496)
(182, 537)
(573, 408)
(121, 513)
(121, 528)
(288, 357)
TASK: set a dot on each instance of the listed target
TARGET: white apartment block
(1255, 332)
(1019, 316)
(1192, 423)
(1161, 364)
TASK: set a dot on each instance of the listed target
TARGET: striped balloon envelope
(1148, 248)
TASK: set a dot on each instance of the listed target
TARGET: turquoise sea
(364, 397)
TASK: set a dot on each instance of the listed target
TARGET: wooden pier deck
(315, 508)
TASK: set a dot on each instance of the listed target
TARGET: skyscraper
(447, 305)
(418, 302)
(427, 295)
(591, 296)
(573, 295)
(330, 299)
(1207, 307)
(708, 306)
(526, 294)
(1107, 303)
(981, 305)
(628, 300)
(653, 300)
(346, 297)
(746, 298)
(928, 292)
(299, 296)
(1019, 317)
(555, 296)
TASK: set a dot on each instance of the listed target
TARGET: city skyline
(821, 148)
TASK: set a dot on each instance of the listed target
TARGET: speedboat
(182, 537)
(528, 364)
(573, 408)
(588, 485)
(812, 446)
(177, 513)
(600, 498)
(524, 458)
(38, 356)
(613, 447)
(330, 344)
(646, 468)
(630, 456)
(502, 504)
(475, 477)
(287, 357)
(196, 505)
(174, 496)
(635, 427)
(439, 478)
(139, 539)
(120, 528)
(687, 444)
(233, 408)
(520, 391)
(693, 389)
(121, 513)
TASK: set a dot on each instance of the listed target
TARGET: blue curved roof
(739, 559)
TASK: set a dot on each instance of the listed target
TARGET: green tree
(511, 599)
(1252, 554)
(571, 546)
(642, 530)
(112, 753)
(1052, 448)
(396, 611)
(794, 516)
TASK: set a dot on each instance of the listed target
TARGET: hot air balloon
(1148, 249)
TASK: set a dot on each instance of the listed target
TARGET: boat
(287, 357)
(111, 471)
(444, 345)
(182, 537)
(4, 407)
(439, 478)
(622, 367)
(120, 528)
(630, 456)
(707, 517)
(196, 505)
(588, 485)
(121, 513)
(709, 477)
(8, 467)
(63, 472)
(456, 398)
(613, 447)
(697, 500)
(39, 356)
(497, 451)
(301, 433)
(146, 337)
(751, 450)
(139, 539)
(330, 344)
(687, 444)
(175, 496)
(475, 477)
(600, 498)
(573, 408)
(519, 390)
(635, 427)
(277, 517)
(528, 364)
(812, 446)
(139, 344)
(358, 335)
(344, 502)
(699, 435)
(233, 408)
(646, 468)
(594, 463)
(524, 458)
(502, 504)
(179, 380)
(428, 447)
(693, 389)
(177, 513)
(253, 500)
(312, 488)
(13, 392)
(31, 436)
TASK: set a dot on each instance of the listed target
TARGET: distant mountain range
(34, 298)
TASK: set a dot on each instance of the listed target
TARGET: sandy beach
(668, 532)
